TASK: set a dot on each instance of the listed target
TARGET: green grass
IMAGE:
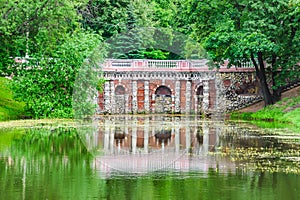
(9, 108)
(282, 112)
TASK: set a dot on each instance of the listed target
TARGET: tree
(30, 27)
(46, 84)
(107, 17)
(122, 23)
(264, 32)
(49, 36)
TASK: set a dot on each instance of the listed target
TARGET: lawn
(9, 108)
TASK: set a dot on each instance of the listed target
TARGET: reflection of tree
(57, 141)
(47, 164)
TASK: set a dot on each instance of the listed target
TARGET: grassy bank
(285, 111)
(9, 108)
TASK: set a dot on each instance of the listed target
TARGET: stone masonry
(182, 86)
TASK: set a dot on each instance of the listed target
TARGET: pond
(149, 157)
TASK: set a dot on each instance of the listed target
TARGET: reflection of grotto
(119, 136)
(163, 136)
(156, 133)
(200, 138)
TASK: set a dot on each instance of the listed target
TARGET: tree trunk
(261, 73)
(278, 90)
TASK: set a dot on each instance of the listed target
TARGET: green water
(126, 158)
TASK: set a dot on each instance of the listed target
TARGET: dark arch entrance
(120, 90)
(199, 96)
(163, 100)
(120, 99)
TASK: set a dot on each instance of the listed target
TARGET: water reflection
(127, 157)
(133, 135)
(135, 144)
(144, 144)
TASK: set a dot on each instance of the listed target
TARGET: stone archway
(199, 99)
(163, 100)
(120, 99)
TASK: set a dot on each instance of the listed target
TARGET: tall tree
(264, 32)
(128, 18)
(108, 17)
(31, 27)
(49, 36)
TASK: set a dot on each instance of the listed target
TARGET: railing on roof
(119, 63)
(177, 65)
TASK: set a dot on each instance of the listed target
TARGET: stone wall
(140, 92)
(222, 91)
(239, 90)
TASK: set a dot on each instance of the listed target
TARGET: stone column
(107, 103)
(134, 97)
(126, 103)
(205, 95)
(106, 135)
(173, 103)
(188, 97)
(112, 96)
(187, 136)
(153, 105)
(205, 138)
(112, 139)
(196, 103)
(146, 135)
(177, 138)
(134, 137)
(177, 97)
(146, 100)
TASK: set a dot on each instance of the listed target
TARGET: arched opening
(120, 90)
(199, 96)
(163, 90)
(163, 100)
(120, 99)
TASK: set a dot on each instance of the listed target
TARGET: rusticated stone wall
(177, 92)
(239, 89)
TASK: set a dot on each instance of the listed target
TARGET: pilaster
(107, 103)
(177, 96)
(146, 100)
(188, 97)
(134, 97)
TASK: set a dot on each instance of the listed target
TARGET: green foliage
(126, 24)
(57, 141)
(248, 30)
(285, 111)
(105, 16)
(100, 85)
(9, 108)
(293, 117)
(29, 27)
(46, 83)
(244, 116)
(156, 54)
(268, 113)
(85, 88)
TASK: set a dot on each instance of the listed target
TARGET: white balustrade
(165, 64)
